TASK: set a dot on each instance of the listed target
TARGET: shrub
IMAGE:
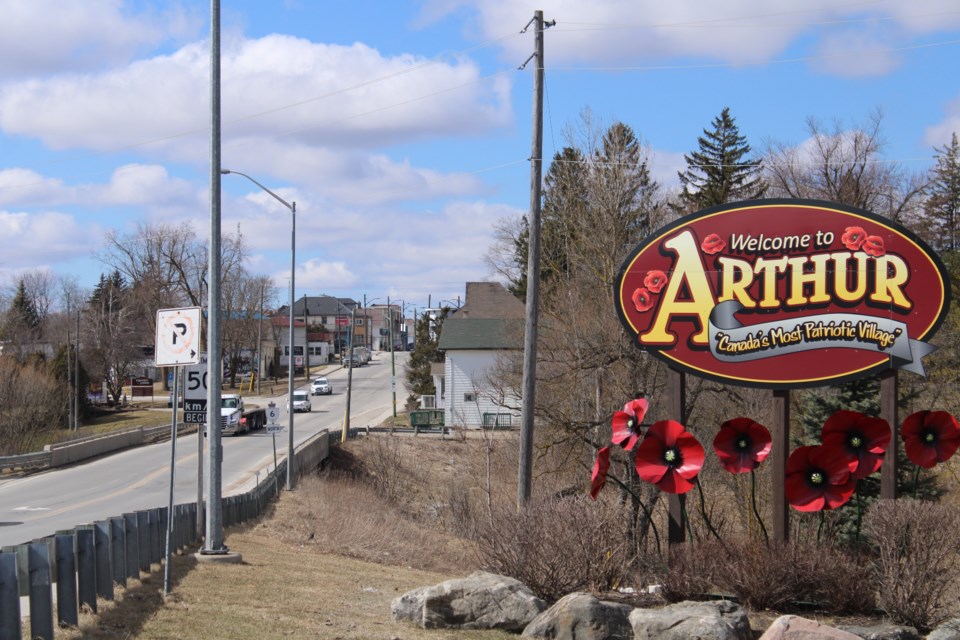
(782, 577)
(556, 546)
(916, 559)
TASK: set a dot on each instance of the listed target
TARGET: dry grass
(325, 562)
(393, 514)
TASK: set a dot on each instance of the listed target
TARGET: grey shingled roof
(481, 333)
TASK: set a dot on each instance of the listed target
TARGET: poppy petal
(692, 455)
(673, 482)
(600, 467)
(650, 464)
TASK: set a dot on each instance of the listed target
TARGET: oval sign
(783, 293)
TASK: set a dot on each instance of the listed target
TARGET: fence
(89, 561)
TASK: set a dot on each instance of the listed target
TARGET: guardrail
(69, 451)
(94, 560)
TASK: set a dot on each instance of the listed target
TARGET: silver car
(321, 387)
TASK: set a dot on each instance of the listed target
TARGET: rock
(882, 632)
(580, 616)
(949, 630)
(797, 628)
(480, 601)
(718, 620)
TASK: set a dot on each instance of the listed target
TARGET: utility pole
(76, 377)
(525, 478)
(70, 382)
(346, 415)
(259, 366)
(306, 340)
(213, 542)
(393, 361)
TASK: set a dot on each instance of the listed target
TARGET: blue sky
(402, 129)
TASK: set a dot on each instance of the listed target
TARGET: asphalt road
(41, 504)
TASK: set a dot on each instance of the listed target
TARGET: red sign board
(783, 293)
(343, 321)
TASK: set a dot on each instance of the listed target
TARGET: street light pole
(293, 267)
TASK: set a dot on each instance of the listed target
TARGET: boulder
(480, 601)
(580, 616)
(949, 630)
(797, 628)
(882, 632)
(718, 620)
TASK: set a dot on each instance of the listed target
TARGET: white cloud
(853, 53)
(33, 240)
(940, 133)
(316, 274)
(343, 95)
(623, 32)
(44, 36)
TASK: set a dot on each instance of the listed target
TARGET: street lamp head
(225, 171)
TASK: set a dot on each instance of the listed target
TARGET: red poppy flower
(642, 299)
(669, 457)
(930, 437)
(600, 467)
(853, 238)
(655, 280)
(713, 244)
(818, 478)
(742, 444)
(863, 439)
(873, 245)
(626, 423)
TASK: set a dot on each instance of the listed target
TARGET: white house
(477, 341)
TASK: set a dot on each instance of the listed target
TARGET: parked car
(321, 387)
(301, 402)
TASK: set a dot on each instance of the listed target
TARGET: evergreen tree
(564, 194)
(943, 201)
(427, 332)
(57, 368)
(109, 288)
(862, 396)
(594, 201)
(22, 322)
(722, 170)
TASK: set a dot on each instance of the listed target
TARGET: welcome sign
(784, 293)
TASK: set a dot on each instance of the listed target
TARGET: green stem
(859, 510)
(686, 518)
(753, 502)
(703, 510)
(646, 512)
(820, 526)
(916, 480)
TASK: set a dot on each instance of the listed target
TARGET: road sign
(195, 392)
(178, 337)
(273, 412)
(274, 428)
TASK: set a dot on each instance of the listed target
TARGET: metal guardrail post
(143, 541)
(66, 581)
(101, 535)
(118, 546)
(41, 596)
(132, 547)
(9, 598)
(86, 569)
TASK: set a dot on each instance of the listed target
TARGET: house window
(323, 320)
(358, 322)
(469, 397)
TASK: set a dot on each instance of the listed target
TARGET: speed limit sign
(195, 392)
